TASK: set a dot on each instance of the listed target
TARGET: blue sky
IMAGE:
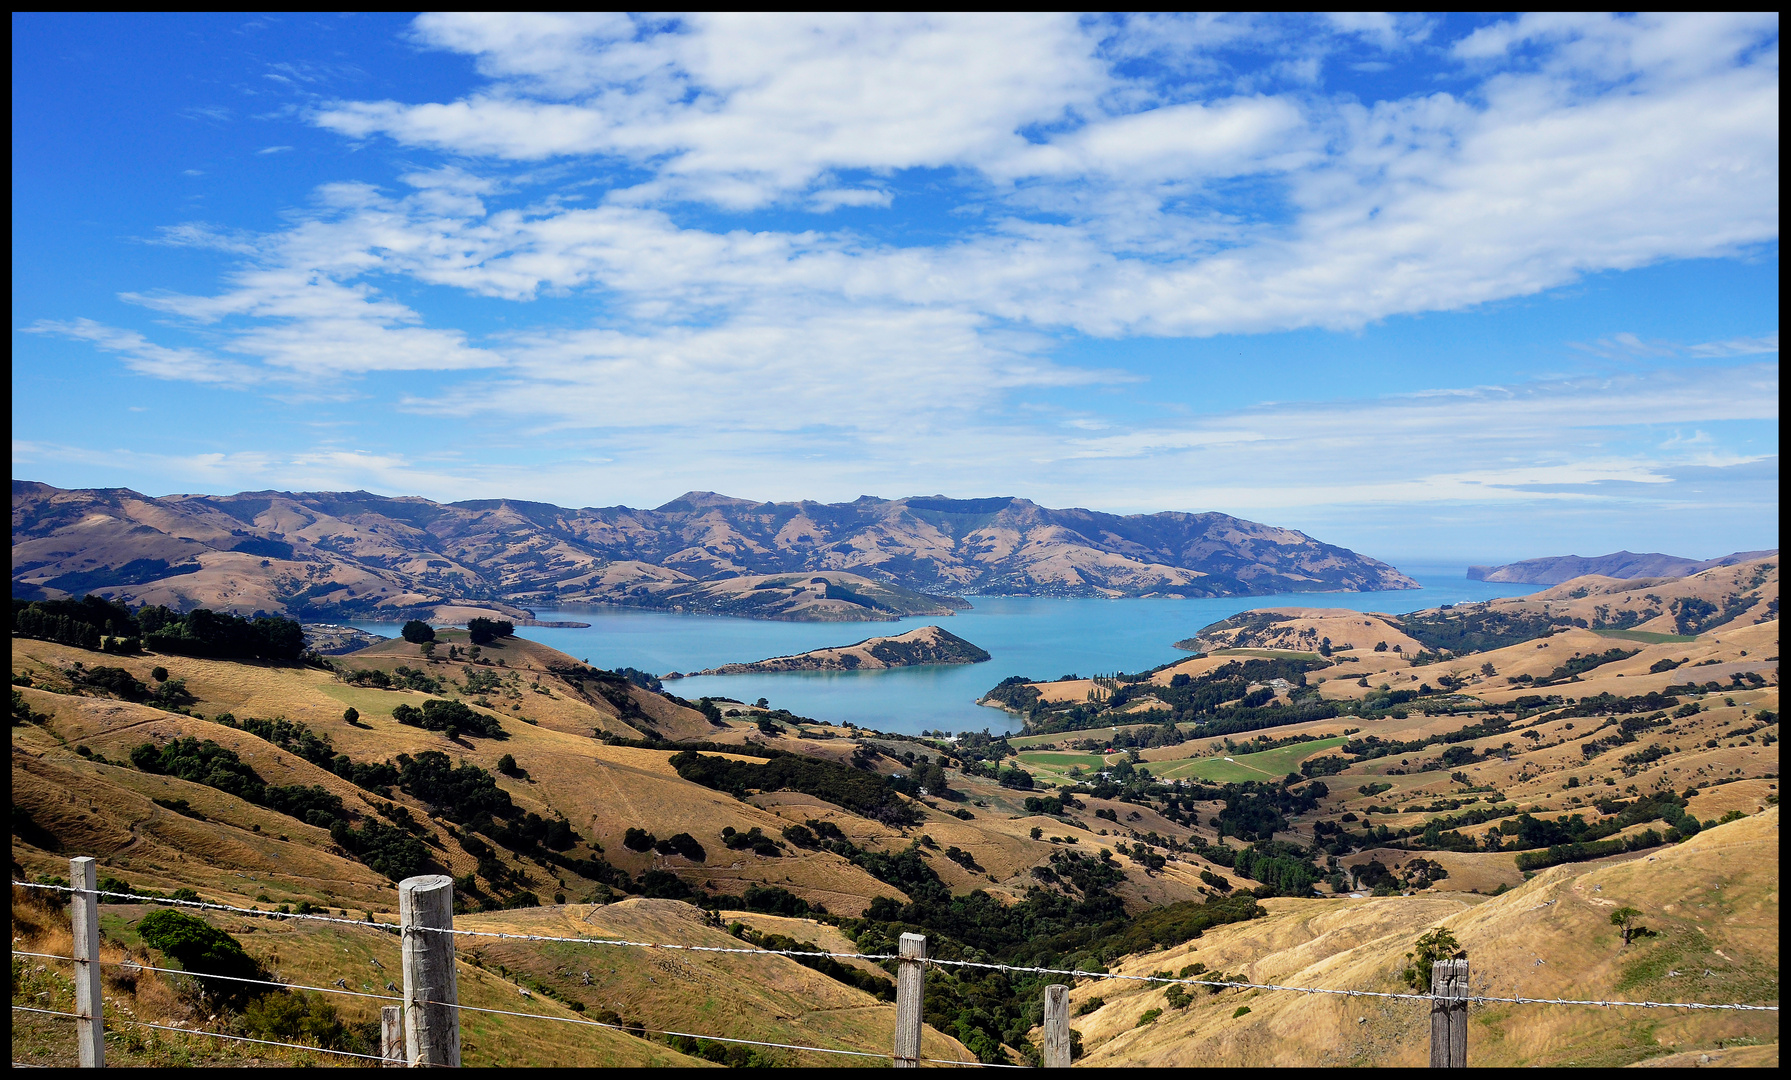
(1436, 288)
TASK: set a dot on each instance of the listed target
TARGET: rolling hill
(1712, 903)
(1645, 609)
(1263, 810)
(337, 555)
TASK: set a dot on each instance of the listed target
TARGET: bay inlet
(1038, 637)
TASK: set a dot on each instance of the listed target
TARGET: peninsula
(925, 645)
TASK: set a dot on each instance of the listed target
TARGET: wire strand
(691, 1035)
(874, 957)
(656, 944)
(48, 1012)
(1219, 984)
(1240, 985)
(139, 898)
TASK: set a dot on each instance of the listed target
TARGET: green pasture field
(1025, 741)
(1052, 767)
(1647, 637)
(1061, 760)
(1265, 765)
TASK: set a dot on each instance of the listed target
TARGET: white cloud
(857, 371)
(317, 469)
(1577, 442)
(147, 358)
(1742, 346)
(740, 109)
(1628, 346)
(1425, 203)
(1584, 440)
(1657, 44)
(1380, 28)
(834, 198)
(273, 150)
(1076, 197)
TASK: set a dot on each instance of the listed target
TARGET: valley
(1302, 800)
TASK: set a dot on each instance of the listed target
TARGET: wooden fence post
(90, 1028)
(1057, 1026)
(431, 1023)
(391, 1037)
(910, 983)
(1449, 1014)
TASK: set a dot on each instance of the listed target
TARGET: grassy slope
(754, 997)
(1714, 901)
(601, 790)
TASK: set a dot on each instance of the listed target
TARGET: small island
(925, 645)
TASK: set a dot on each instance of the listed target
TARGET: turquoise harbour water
(1031, 636)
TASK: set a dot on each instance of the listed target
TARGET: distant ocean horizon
(1038, 637)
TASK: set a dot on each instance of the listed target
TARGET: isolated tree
(1625, 920)
(351, 714)
(1437, 944)
(417, 631)
(934, 778)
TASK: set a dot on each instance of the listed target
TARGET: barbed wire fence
(422, 1027)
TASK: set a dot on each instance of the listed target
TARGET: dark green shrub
(202, 949)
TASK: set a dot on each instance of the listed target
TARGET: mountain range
(347, 554)
(1555, 569)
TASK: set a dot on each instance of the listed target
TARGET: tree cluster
(484, 631)
(865, 794)
(453, 717)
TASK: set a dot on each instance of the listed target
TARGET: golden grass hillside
(1304, 629)
(533, 682)
(733, 995)
(1712, 902)
(303, 953)
(72, 777)
(107, 809)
